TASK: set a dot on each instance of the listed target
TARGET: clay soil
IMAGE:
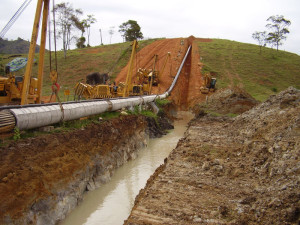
(34, 168)
(242, 170)
(187, 90)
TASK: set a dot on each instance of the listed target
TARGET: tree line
(278, 29)
(67, 20)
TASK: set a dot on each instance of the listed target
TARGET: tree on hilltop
(87, 24)
(261, 38)
(130, 31)
(66, 18)
(279, 28)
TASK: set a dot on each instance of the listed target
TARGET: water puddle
(112, 203)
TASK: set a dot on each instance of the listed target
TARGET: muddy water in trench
(112, 203)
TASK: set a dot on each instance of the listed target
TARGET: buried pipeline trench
(43, 179)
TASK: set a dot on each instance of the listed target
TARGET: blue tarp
(17, 63)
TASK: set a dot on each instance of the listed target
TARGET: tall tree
(261, 38)
(65, 20)
(130, 31)
(87, 24)
(279, 28)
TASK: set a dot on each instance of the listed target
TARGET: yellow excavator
(27, 89)
(209, 84)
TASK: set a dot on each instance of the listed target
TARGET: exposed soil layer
(187, 89)
(244, 170)
(226, 101)
(43, 178)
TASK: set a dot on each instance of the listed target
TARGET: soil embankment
(242, 170)
(186, 92)
(43, 178)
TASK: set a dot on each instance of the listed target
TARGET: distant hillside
(18, 46)
(233, 63)
(241, 64)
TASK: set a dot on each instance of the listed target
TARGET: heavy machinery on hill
(209, 84)
(146, 78)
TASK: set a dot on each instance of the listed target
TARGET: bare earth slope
(187, 89)
(230, 171)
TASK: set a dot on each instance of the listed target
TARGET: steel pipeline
(34, 116)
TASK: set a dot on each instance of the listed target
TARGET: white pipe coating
(33, 117)
(38, 116)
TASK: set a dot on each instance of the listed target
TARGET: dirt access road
(244, 170)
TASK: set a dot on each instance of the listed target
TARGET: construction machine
(209, 84)
(151, 77)
(27, 89)
(146, 78)
(89, 91)
(11, 88)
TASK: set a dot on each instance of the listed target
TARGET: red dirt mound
(187, 90)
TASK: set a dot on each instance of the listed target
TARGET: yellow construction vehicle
(26, 89)
(111, 91)
(209, 84)
(151, 77)
(11, 89)
(146, 79)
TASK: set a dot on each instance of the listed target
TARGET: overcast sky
(226, 19)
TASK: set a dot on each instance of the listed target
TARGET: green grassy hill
(233, 63)
(81, 62)
(240, 64)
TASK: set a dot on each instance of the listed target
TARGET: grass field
(240, 64)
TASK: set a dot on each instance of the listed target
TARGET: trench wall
(64, 167)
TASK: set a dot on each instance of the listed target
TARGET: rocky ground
(242, 170)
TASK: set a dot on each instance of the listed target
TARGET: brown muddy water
(111, 203)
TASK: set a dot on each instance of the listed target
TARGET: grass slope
(240, 64)
(80, 62)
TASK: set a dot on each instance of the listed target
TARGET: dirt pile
(230, 171)
(227, 100)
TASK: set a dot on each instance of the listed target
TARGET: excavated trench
(43, 178)
(100, 206)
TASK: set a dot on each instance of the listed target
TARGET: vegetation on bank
(240, 64)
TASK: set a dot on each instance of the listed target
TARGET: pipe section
(33, 116)
(179, 71)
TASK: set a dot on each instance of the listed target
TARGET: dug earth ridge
(242, 170)
(43, 178)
